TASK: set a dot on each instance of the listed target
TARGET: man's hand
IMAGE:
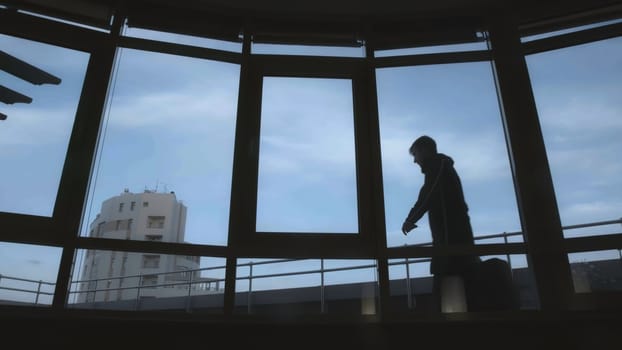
(408, 226)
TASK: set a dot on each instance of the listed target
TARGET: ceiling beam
(9, 96)
(26, 71)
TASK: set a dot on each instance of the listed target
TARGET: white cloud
(596, 210)
(589, 208)
(478, 157)
(272, 163)
(36, 126)
(397, 163)
(16, 263)
(187, 110)
(599, 163)
(579, 114)
(307, 129)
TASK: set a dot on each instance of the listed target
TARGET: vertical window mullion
(534, 187)
(77, 170)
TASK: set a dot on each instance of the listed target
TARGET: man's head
(423, 148)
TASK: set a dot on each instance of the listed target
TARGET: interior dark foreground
(565, 320)
(563, 330)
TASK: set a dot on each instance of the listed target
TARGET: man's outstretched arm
(423, 200)
(417, 211)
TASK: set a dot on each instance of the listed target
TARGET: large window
(286, 137)
(35, 134)
(455, 104)
(307, 170)
(577, 92)
(169, 129)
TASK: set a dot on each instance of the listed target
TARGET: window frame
(244, 238)
(53, 230)
(62, 228)
(599, 299)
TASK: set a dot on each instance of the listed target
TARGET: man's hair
(423, 143)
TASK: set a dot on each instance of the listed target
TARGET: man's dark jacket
(441, 196)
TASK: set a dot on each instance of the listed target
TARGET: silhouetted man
(441, 196)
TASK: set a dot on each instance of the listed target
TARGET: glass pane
(596, 271)
(577, 93)
(183, 39)
(297, 287)
(307, 170)
(28, 273)
(61, 20)
(34, 136)
(308, 50)
(411, 285)
(569, 30)
(456, 105)
(499, 282)
(166, 150)
(480, 45)
(351, 287)
(146, 281)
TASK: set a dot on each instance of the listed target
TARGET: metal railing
(199, 285)
(37, 292)
(205, 284)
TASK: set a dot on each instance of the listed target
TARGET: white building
(113, 275)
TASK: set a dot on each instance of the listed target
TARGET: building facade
(113, 275)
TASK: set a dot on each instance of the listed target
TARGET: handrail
(27, 280)
(26, 290)
(592, 224)
(149, 286)
(250, 276)
(37, 292)
(160, 273)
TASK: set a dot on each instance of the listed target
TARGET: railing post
(94, 292)
(408, 291)
(137, 304)
(505, 239)
(189, 300)
(322, 307)
(38, 291)
(250, 287)
(377, 297)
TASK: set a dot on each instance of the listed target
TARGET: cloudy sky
(171, 121)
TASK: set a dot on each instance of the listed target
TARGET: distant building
(113, 275)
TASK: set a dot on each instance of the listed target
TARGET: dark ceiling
(315, 13)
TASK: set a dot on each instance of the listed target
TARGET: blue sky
(456, 105)
(307, 169)
(577, 93)
(39, 130)
(171, 122)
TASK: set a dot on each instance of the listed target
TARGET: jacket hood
(442, 156)
(437, 158)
